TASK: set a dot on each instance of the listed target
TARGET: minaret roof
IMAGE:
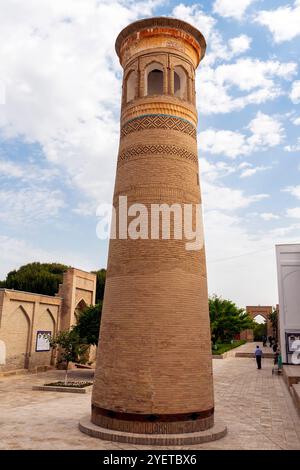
(158, 22)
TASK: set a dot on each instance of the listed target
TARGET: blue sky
(60, 84)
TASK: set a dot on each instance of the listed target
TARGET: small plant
(71, 348)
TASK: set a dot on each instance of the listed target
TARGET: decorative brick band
(157, 149)
(153, 423)
(158, 121)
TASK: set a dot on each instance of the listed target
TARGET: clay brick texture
(154, 369)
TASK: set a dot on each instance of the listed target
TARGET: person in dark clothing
(264, 338)
(258, 355)
(270, 340)
(275, 347)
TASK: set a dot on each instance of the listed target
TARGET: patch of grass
(224, 347)
(70, 384)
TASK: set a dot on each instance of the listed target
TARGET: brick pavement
(255, 405)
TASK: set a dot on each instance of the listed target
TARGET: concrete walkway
(255, 405)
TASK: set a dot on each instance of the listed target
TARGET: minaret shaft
(154, 368)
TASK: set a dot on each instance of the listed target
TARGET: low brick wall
(267, 355)
(52, 388)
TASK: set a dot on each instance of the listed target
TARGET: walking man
(258, 355)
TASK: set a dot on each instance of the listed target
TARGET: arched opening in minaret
(130, 86)
(180, 83)
(154, 79)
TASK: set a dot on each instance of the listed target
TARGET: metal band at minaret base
(153, 379)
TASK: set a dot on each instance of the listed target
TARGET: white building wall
(288, 269)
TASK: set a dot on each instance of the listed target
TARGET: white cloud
(195, 15)
(217, 48)
(269, 216)
(296, 121)
(293, 213)
(293, 190)
(214, 171)
(266, 132)
(295, 92)
(257, 82)
(26, 172)
(252, 171)
(293, 148)
(63, 83)
(224, 142)
(217, 197)
(240, 44)
(28, 206)
(249, 74)
(283, 22)
(231, 9)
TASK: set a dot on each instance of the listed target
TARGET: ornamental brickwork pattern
(160, 149)
(158, 122)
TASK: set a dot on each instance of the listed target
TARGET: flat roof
(30, 293)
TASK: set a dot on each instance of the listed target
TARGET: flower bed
(69, 384)
(224, 347)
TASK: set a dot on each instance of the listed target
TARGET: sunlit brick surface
(154, 355)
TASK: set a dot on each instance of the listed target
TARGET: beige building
(27, 320)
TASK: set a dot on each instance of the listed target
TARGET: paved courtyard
(255, 405)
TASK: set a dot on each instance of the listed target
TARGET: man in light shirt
(258, 355)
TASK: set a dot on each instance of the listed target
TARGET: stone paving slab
(255, 405)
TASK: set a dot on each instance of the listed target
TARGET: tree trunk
(66, 374)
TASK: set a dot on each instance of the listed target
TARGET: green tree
(71, 348)
(100, 285)
(41, 278)
(273, 317)
(88, 324)
(259, 330)
(227, 319)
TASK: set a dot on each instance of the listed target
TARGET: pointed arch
(130, 86)
(81, 305)
(18, 333)
(180, 82)
(52, 321)
(154, 79)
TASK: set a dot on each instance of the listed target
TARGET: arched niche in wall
(154, 79)
(79, 308)
(17, 332)
(180, 82)
(130, 86)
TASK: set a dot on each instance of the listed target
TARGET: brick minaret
(154, 368)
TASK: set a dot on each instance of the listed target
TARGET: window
(180, 83)
(155, 82)
(154, 79)
(130, 86)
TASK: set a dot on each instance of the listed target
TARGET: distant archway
(260, 314)
(260, 329)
